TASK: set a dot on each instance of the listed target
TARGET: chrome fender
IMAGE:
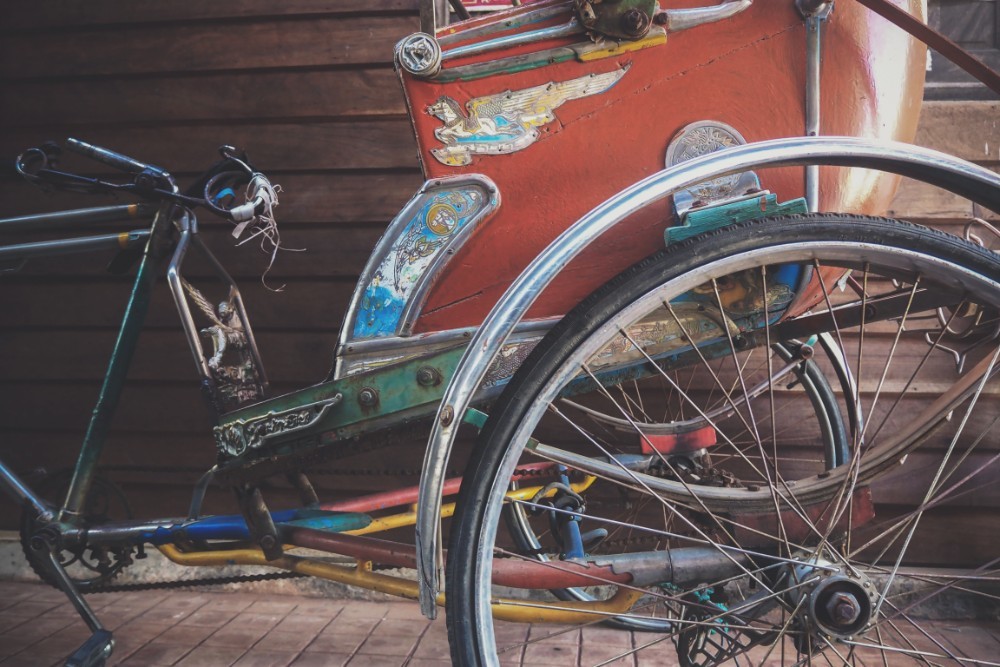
(963, 178)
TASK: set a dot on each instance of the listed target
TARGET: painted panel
(747, 72)
(427, 231)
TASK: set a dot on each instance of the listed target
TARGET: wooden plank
(143, 407)
(918, 199)
(333, 253)
(328, 198)
(182, 457)
(970, 130)
(272, 146)
(908, 483)
(945, 537)
(295, 42)
(303, 305)
(231, 96)
(297, 357)
(50, 14)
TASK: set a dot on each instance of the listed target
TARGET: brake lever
(237, 156)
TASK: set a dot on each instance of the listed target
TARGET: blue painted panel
(439, 217)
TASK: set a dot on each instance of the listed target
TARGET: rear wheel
(666, 412)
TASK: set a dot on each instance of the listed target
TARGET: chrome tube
(953, 174)
(573, 27)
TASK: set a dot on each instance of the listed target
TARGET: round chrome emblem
(419, 54)
(698, 139)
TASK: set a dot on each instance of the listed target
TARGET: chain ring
(97, 566)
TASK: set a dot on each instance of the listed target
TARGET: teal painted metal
(121, 358)
(711, 218)
(400, 397)
(335, 522)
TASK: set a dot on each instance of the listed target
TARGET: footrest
(94, 652)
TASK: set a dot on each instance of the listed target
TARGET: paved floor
(38, 628)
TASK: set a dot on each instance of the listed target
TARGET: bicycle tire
(891, 249)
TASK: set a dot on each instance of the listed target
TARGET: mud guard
(953, 174)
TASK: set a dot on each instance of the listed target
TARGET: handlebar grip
(113, 159)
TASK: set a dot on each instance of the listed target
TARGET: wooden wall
(307, 87)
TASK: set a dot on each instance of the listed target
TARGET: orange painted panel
(748, 72)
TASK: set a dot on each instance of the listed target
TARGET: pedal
(94, 652)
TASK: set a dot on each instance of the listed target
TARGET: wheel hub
(834, 602)
(841, 605)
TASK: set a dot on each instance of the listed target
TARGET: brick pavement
(38, 628)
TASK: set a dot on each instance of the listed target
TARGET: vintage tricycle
(745, 444)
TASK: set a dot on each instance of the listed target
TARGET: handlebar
(38, 165)
(113, 159)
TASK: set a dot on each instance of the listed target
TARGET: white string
(264, 225)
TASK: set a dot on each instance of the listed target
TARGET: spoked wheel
(808, 390)
(680, 470)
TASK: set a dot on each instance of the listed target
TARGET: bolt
(843, 609)
(267, 542)
(428, 377)
(367, 397)
(447, 415)
(635, 22)
(806, 351)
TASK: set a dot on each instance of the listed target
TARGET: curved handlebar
(39, 165)
(113, 159)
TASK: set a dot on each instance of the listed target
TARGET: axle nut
(843, 609)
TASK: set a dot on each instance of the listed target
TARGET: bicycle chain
(184, 583)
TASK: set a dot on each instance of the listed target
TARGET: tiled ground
(202, 629)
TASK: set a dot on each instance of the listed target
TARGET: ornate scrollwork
(238, 436)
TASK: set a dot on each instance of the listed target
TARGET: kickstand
(95, 651)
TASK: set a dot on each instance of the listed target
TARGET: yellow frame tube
(409, 518)
(362, 576)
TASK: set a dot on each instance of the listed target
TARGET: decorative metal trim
(700, 138)
(417, 244)
(581, 51)
(508, 121)
(419, 54)
(236, 437)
